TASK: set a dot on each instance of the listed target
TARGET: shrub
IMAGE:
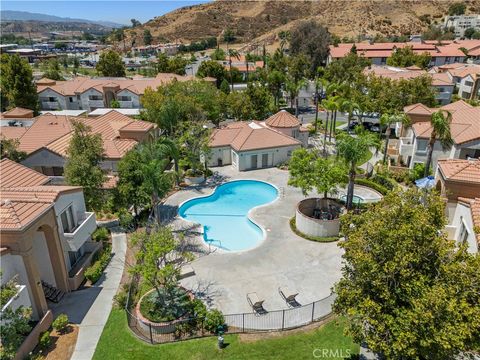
(384, 181)
(125, 218)
(60, 323)
(101, 234)
(44, 340)
(198, 308)
(368, 183)
(121, 298)
(214, 321)
(94, 272)
(7, 291)
(418, 171)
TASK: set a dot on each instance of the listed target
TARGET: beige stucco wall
(275, 156)
(40, 252)
(463, 215)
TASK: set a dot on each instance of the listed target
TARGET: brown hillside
(253, 21)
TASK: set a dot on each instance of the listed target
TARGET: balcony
(21, 298)
(406, 146)
(95, 103)
(76, 275)
(126, 104)
(444, 95)
(86, 226)
(50, 105)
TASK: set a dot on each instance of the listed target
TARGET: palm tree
(154, 161)
(353, 149)
(235, 54)
(293, 87)
(349, 106)
(169, 148)
(386, 120)
(440, 123)
(320, 84)
(329, 106)
(247, 59)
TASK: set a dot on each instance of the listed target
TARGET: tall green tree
(110, 64)
(18, 88)
(293, 87)
(440, 123)
(232, 53)
(308, 171)
(406, 291)
(311, 39)
(147, 37)
(353, 149)
(53, 70)
(404, 57)
(9, 149)
(84, 156)
(261, 100)
(213, 69)
(159, 261)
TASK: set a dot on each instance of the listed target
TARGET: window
(124, 98)
(70, 99)
(52, 99)
(422, 145)
(95, 97)
(468, 83)
(68, 221)
(57, 171)
(463, 233)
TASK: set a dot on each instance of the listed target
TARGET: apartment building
(46, 235)
(441, 82)
(465, 131)
(46, 141)
(85, 93)
(460, 23)
(466, 78)
(446, 52)
(458, 181)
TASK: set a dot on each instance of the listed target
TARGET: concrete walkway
(90, 308)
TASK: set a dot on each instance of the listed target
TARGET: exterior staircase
(52, 293)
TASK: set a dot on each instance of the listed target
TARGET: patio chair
(256, 303)
(289, 296)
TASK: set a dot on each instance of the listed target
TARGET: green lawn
(366, 158)
(117, 342)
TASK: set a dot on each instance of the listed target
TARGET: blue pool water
(223, 214)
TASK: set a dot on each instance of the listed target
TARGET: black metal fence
(236, 323)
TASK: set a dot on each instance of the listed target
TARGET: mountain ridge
(254, 21)
(14, 15)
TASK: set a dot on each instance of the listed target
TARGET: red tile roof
(14, 174)
(460, 170)
(282, 119)
(53, 132)
(243, 136)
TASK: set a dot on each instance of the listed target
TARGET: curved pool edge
(249, 216)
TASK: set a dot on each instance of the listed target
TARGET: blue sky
(120, 11)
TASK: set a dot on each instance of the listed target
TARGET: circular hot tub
(319, 217)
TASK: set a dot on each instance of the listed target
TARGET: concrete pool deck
(283, 259)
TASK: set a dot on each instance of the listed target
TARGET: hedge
(95, 271)
(371, 184)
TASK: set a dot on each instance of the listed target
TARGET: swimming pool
(224, 214)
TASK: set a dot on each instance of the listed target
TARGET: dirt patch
(62, 345)
(247, 338)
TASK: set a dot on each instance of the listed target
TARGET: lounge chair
(256, 303)
(289, 296)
